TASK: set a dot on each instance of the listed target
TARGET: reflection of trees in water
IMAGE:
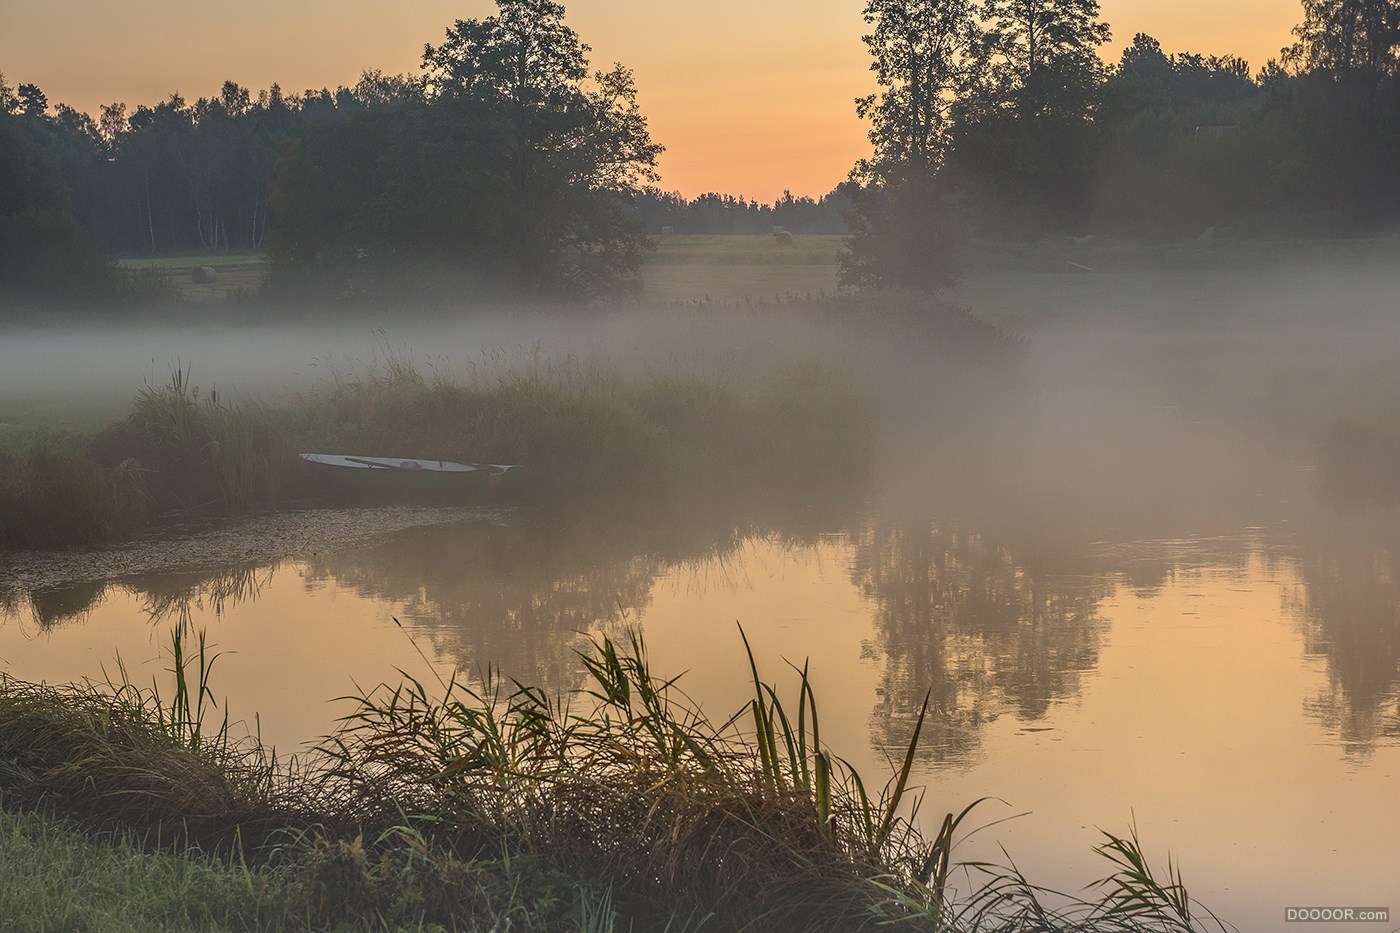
(513, 597)
(1349, 608)
(958, 615)
(163, 597)
(520, 596)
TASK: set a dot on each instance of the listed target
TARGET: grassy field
(1017, 285)
(236, 273)
(739, 268)
(1180, 287)
(681, 268)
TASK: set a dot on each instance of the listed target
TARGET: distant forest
(998, 118)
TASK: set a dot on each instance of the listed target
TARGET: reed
(204, 452)
(115, 756)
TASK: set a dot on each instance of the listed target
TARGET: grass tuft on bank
(489, 804)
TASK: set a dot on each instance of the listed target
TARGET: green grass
(237, 274)
(57, 878)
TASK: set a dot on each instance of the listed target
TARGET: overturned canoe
(394, 477)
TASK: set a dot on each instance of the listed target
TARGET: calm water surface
(1235, 695)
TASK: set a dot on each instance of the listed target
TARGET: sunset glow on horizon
(748, 99)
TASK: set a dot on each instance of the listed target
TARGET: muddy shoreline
(197, 544)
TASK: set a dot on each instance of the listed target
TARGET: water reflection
(958, 615)
(514, 597)
(1348, 605)
(989, 623)
(521, 596)
(166, 598)
(61, 605)
(178, 598)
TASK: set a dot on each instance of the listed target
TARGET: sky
(749, 97)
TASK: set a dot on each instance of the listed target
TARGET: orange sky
(749, 96)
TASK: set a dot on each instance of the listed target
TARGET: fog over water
(1145, 559)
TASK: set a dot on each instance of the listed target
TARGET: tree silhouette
(905, 228)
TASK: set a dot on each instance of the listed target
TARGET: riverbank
(582, 434)
(463, 805)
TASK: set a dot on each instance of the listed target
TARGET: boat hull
(405, 479)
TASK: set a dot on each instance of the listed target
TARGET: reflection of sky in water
(1238, 699)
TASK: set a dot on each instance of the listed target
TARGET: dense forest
(511, 160)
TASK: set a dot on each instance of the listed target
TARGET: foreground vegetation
(495, 806)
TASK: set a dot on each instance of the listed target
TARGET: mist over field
(1133, 386)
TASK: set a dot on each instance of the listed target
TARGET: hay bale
(783, 237)
(204, 275)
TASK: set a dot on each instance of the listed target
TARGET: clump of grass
(498, 806)
(749, 823)
(53, 492)
(118, 757)
(202, 452)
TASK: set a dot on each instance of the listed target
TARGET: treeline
(1170, 145)
(180, 176)
(1000, 117)
(510, 162)
(672, 212)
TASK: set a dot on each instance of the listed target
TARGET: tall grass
(53, 492)
(750, 822)
(583, 433)
(471, 804)
(588, 430)
(204, 452)
(115, 756)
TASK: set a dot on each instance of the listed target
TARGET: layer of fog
(1205, 402)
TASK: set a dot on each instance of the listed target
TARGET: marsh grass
(800, 429)
(205, 452)
(52, 491)
(585, 430)
(489, 804)
(583, 433)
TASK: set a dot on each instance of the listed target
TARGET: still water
(1236, 695)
